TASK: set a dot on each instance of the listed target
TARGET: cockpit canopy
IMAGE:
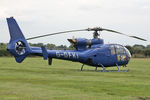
(119, 49)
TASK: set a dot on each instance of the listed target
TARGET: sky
(38, 17)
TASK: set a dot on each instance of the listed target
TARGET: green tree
(138, 49)
(50, 46)
(130, 48)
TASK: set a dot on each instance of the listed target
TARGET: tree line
(4, 52)
(137, 51)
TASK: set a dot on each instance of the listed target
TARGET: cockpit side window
(120, 49)
(121, 53)
(112, 49)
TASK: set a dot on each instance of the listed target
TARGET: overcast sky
(37, 17)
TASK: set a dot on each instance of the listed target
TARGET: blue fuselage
(94, 57)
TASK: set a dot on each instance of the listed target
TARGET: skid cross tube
(96, 68)
(103, 68)
(82, 67)
(118, 67)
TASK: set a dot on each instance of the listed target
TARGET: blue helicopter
(91, 52)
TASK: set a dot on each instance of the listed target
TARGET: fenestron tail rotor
(95, 33)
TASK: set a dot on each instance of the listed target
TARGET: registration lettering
(67, 55)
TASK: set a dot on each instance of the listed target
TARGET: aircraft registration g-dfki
(87, 51)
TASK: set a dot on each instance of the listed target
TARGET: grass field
(35, 80)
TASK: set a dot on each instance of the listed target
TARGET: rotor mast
(95, 33)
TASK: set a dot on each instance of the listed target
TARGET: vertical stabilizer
(18, 45)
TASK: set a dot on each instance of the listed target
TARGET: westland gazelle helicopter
(91, 52)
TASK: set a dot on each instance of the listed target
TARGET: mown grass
(35, 80)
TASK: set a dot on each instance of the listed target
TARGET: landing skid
(108, 70)
(114, 70)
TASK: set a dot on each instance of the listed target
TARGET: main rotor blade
(89, 29)
(55, 34)
(124, 34)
